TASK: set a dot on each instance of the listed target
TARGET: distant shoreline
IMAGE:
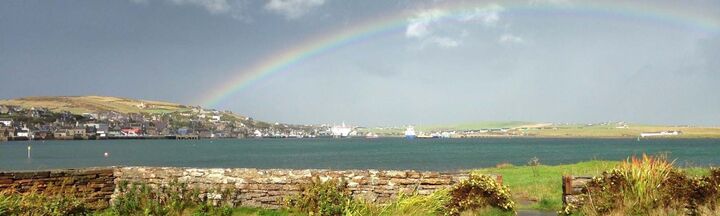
(383, 137)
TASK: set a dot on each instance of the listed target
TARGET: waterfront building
(6, 122)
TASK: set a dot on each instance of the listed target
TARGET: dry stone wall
(240, 186)
(267, 187)
(573, 189)
(94, 185)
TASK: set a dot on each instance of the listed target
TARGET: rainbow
(285, 59)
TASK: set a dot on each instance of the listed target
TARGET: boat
(341, 131)
(371, 135)
(424, 136)
(410, 133)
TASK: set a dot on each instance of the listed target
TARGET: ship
(424, 136)
(341, 131)
(371, 135)
(410, 133)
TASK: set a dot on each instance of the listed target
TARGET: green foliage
(649, 186)
(38, 203)
(433, 204)
(260, 211)
(321, 198)
(547, 204)
(171, 199)
(414, 204)
(543, 182)
(210, 210)
(534, 162)
(477, 192)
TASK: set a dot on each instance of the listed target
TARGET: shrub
(321, 198)
(633, 187)
(139, 199)
(38, 203)
(534, 162)
(477, 192)
(210, 210)
(649, 186)
(412, 204)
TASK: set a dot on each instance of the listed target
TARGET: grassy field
(90, 104)
(610, 131)
(560, 131)
(540, 187)
(474, 125)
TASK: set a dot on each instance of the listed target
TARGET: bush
(478, 192)
(171, 199)
(38, 203)
(321, 198)
(649, 186)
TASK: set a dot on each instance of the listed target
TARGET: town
(97, 117)
(37, 123)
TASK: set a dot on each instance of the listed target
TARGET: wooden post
(567, 188)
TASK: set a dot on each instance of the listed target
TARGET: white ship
(341, 131)
(371, 135)
(410, 132)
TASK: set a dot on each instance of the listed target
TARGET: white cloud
(444, 42)
(555, 2)
(435, 26)
(488, 15)
(233, 8)
(293, 9)
(509, 38)
(213, 6)
(419, 25)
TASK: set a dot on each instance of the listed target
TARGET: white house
(257, 133)
(6, 122)
(102, 129)
(661, 133)
(23, 133)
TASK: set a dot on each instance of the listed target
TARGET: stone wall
(243, 187)
(267, 187)
(95, 185)
(573, 189)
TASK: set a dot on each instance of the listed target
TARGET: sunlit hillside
(88, 104)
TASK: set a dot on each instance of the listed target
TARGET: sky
(649, 61)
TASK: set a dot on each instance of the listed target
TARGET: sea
(349, 153)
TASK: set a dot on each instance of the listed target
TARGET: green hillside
(90, 104)
(475, 125)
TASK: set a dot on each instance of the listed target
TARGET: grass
(542, 185)
(246, 211)
(473, 125)
(238, 211)
(610, 131)
(649, 185)
(90, 104)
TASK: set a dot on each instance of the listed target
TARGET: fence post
(567, 188)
